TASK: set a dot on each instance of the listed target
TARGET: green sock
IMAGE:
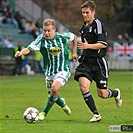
(49, 104)
(60, 102)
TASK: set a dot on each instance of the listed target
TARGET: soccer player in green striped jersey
(54, 48)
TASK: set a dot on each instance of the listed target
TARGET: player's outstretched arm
(25, 51)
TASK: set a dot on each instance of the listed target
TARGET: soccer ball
(31, 115)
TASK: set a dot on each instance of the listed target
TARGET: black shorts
(93, 69)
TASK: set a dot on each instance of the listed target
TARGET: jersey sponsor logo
(54, 51)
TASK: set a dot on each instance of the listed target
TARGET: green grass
(20, 92)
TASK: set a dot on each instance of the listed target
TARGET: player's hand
(17, 54)
(75, 57)
(83, 45)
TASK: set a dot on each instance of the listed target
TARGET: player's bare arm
(25, 51)
(85, 45)
(75, 56)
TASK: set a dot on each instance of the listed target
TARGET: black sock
(112, 93)
(90, 102)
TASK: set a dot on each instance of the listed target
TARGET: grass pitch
(20, 92)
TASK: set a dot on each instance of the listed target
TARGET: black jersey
(93, 33)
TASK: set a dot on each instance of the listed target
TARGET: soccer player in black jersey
(92, 62)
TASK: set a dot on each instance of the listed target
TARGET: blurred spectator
(2, 18)
(128, 39)
(8, 42)
(19, 60)
(39, 23)
(23, 25)
(3, 4)
(28, 26)
(120, 38)
(35, 30)
(18, 17)
(38, 62)
(6, 14)
(11, 19)
(25, 64)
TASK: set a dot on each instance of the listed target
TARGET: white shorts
(62, 77)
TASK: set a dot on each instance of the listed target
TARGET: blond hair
(48, 22)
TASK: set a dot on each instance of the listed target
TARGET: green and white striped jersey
(55, 52)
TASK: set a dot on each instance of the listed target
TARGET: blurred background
(21, 22)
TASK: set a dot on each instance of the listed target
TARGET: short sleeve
(36, 44)
(71, 36)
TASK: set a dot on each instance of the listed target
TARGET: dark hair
(89, 4)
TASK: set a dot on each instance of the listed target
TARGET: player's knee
(83, 89)
(54, 89)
